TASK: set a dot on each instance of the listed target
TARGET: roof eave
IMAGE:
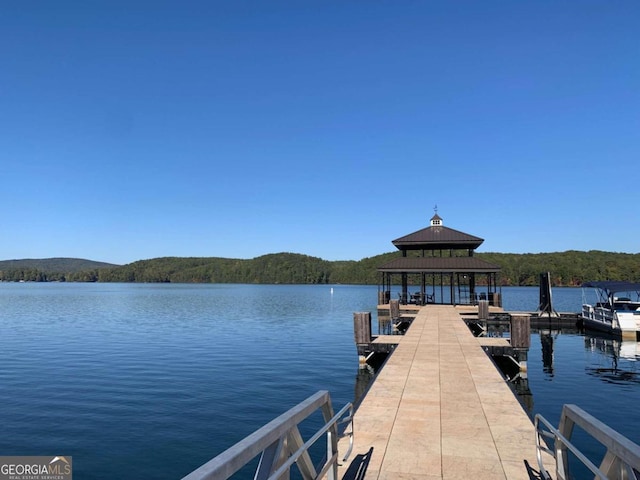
(436, 245)
(439, 270)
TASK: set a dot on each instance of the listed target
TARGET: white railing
(620, 462)
(280, 445)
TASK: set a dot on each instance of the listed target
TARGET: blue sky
(134, 130)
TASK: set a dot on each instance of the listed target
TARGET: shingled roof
(436, 238)
(438, 265)
(445, 253)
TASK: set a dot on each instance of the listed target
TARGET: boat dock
(440, 409)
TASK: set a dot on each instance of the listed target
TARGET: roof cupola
(436, 221)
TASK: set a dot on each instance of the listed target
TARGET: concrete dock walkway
(439, 409)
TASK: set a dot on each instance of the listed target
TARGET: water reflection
(547, 339)
(610, 360)
(364, 378)
(386, 326)
(616, 359)
(626, 349)
(520, 386)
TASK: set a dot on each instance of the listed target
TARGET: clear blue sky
(134, 130)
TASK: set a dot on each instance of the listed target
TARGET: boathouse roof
(437, 237)
(438, 265)
(446, 257)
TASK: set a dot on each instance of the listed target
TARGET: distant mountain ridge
(54, 265)
(570, 268)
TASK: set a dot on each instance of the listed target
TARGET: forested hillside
(273, 268)
(50, 269)
(569, 268)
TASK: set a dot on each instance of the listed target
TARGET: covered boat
(616, 309)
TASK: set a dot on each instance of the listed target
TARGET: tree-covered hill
(568, 268)
(272, 268)
(48, 265)
(49, 269)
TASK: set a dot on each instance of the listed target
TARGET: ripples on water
(150, 381)
(598, 373)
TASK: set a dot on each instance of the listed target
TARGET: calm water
(150, 381)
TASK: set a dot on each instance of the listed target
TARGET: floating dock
(440, 409)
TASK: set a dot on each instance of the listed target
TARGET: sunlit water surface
(150, 381)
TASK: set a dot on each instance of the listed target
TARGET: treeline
(274, 268)
(51, 270)
(569, 268)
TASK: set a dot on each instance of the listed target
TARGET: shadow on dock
(358, 467)
(533, 473)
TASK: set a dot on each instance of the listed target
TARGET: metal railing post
(280, 445)
(622, 458)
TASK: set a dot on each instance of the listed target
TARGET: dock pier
(440, 409)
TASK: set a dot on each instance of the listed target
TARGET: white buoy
(331, 290)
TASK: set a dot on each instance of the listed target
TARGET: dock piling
(362, 333)
(520, 331)
(483, 310)
(394, 310)
(521, 339)
(362, 327)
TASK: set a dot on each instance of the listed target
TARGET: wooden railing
(620, 462)
(280, 445)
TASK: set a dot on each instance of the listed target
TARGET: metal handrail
(280, 445)
(332, 455)
(553, 433)
(621, 461)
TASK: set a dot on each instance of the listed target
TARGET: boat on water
(616, 309)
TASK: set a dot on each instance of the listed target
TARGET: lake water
(150, 381)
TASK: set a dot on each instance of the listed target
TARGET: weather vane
(435, 208)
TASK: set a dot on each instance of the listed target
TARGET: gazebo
(438, 263)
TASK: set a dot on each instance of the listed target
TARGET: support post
(394, 310)
(521, 340)
(362, 332)
(545, 305)
(520, 331)
(452, 289)
(362, 327)
(483, 310)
